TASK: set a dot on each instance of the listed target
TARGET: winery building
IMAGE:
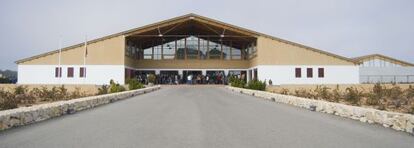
(189, 44)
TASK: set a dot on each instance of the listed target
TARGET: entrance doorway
(142, 75)
(168, 77)
(216, 77)
(192, 77)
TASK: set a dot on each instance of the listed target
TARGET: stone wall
(397, 121)
(27, 115)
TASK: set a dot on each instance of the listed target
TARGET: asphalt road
(201, 116)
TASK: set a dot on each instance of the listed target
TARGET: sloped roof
(380, 56)
(184, 18)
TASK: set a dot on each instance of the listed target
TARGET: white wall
(285, 74)
(45, 74)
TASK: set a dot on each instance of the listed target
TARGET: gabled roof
(361, 59)
(184, 18)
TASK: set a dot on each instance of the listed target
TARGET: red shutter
(321, 72)
(298, 72)
(309, 72)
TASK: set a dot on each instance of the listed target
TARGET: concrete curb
(28, 115)
(397, 121)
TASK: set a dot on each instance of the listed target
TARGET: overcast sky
(349, 27)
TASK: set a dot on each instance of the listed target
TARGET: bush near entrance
(254, 84)
(134, 84)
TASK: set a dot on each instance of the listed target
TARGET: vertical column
(185, 48)
(204, 72)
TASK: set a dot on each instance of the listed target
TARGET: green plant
(134, 84)
(151, 78)
(352, 95)
(103, 90)
(256, 85)
(238, 83)
(19, 90)
(115, 87)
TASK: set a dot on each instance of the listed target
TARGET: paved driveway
(201, 116)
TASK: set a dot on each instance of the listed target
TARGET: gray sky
(345, 27)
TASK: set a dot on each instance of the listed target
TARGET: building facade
(379, 68)
(188, 45)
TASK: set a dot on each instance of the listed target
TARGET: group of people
(214, 78)
(189, 78)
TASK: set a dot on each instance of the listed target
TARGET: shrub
(256, 85)
(19, 90)
(353, 95)
(76, 93)
(284, 91)
(323, 93)
(303, 93)
(103, 90)
(134, 84)
(238, 83)
(115, 87)
(151, 78)
(378, 91)
(7, 100)
(336, 94)
(372, 100)
(409, 92)
(396, 95)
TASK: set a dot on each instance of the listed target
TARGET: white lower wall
(285, 74)
(95, 74)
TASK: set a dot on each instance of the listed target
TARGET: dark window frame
(58, 72)
(309, 72)
(70, 72)
(298, 72)
(321, 72)
(82, 72)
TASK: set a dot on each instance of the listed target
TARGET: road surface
(201, 116)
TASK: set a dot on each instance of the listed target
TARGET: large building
(379, 68)
(189, 44)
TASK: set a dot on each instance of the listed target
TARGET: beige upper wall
(105, 52)
(274, 52)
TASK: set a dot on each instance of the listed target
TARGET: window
(298, 73)
(309, 72)
(70, 72)
(58, 72)
(82, 72)
(321, 73)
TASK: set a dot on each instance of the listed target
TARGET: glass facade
(190, 47)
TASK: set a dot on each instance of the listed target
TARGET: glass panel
(203, 49)
(235, 54)
(215, 50)
(180, 48)
(157, 52)
(148, 53)
(192, 47)
(169, 50)
(226, 52)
